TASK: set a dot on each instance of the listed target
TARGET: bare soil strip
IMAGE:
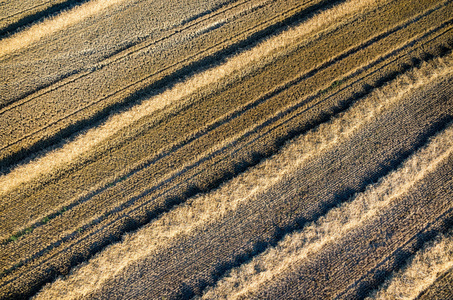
(421, 272)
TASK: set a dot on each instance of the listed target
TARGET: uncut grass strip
(245, 238)
(298, 246)
(129, 213)
(126, 102)
(118, 55)
(46, 12)
(440, 289)
(421, 271)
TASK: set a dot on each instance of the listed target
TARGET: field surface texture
(226, 149)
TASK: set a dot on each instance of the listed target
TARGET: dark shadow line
(168, 81)
(121, 48)
(99, 246)
(298, 224)
(279, 142)
(248, 106)
(37, 17)
(400, 256)
(207, 12)
(191, 190)
(434, 284)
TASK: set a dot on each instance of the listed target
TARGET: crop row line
(225, 267)
(430, 230)
(117, 210)
(187, 66)
(297, 247)
(27, 20)
(119, 55)
(241, 110)
(93, 233)
(25, 10)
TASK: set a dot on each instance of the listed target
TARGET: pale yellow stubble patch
(52, 25)
(424, 268)
(254, 57)
(201, 211)
(246, 280)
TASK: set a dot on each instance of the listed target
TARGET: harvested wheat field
(226, 149)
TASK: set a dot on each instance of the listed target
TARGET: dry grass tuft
(424, 268)
(47, 27)
(243, 281)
